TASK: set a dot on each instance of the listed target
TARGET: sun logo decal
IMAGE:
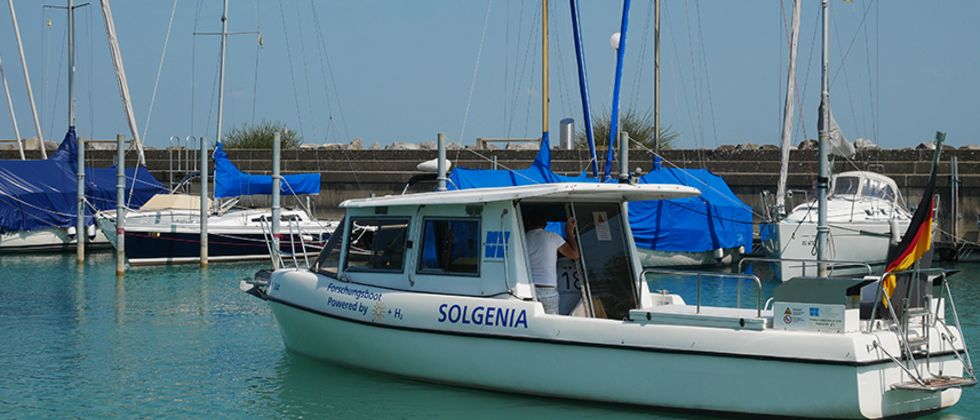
(378, 311)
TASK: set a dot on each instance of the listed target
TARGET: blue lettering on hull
(489, 316)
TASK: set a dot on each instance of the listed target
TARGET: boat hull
(49, 240)
(713, 369)
(865, 242)
(153, 248)
(651, 258)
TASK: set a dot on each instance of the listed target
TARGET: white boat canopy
(564, 191)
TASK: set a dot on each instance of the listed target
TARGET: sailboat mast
(656, 76)
(10, 106)
(788, 113)
(117, 61)
(823, 172)
(80, 230)
(221, 70)
(27, 81)
(544, 74)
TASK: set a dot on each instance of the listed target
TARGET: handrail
(753, 277)
(805, 261)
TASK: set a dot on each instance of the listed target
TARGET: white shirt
(542, 250)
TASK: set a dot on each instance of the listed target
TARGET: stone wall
(360, 173)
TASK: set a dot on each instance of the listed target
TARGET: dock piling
(121, 205)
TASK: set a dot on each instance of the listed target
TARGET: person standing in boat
(543, 248)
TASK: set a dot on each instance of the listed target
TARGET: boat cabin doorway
(601, 284)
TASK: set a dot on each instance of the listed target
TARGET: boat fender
(741, 322)
(896, 234)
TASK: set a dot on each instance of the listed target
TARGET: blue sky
(389, 71)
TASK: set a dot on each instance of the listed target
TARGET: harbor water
(181, 342)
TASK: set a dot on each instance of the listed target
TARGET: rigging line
(321, 52)
(306, 73)
(325, 58)
(511, 87)
(214, 90)
(698, 121)
(843, 59)
(476, 71)
(506, 56)
(562, 74)
(197, 16)
(258, 48)
(156, 82)
(57, 83)
(534, 60)
(506, 168)
(640, 67)
(45, 39)
(871, 97)
(806, 78)
(707, 77)
(518, 81)
(708, 186)
(847, 89)
(292, 74)
(678, 75)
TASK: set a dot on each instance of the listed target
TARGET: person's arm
(570, 248)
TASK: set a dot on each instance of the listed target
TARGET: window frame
(342, 254)
(405, 245)
(419, 270)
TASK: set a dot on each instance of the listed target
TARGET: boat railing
(917, 302)
(715, 276)
(832, 264)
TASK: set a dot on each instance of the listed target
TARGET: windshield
(329, 258)
(878, 189)
(846, 185)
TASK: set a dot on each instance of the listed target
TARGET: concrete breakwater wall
(349, 174)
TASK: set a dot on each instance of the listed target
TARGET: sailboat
(40, 205)
(863, 214)
(167, 229)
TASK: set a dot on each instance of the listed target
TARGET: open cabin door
(609, 277)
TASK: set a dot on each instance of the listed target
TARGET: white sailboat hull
(865, 242)
(48, 240)
(440, 338)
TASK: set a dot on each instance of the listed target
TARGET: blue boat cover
(37, 194)
(716, 219)
(230, 182)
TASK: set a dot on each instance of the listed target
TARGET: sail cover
(230, 182)
(38, 194)
(716, 219)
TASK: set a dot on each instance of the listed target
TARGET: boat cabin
(472, 243)
(855, 185)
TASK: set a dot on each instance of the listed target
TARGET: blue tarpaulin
(231, 182)
(37, 194)
(716, 219)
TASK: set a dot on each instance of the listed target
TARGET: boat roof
(558, 191)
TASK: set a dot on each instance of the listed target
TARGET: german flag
(917, 240)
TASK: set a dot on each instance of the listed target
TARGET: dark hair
(536, 220)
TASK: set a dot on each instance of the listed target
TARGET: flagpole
(822, 175)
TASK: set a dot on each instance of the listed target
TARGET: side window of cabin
(329, 259)
(450, 246)
(377, 245)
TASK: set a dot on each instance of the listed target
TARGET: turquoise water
(179, 342)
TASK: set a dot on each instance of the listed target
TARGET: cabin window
(450, 246)
(846, 185)
(329, 259)
(379, 246)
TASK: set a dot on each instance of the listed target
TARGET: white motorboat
(437, 287)
(167, 230)
(866, 214)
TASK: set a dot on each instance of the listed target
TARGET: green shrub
(259, 136)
